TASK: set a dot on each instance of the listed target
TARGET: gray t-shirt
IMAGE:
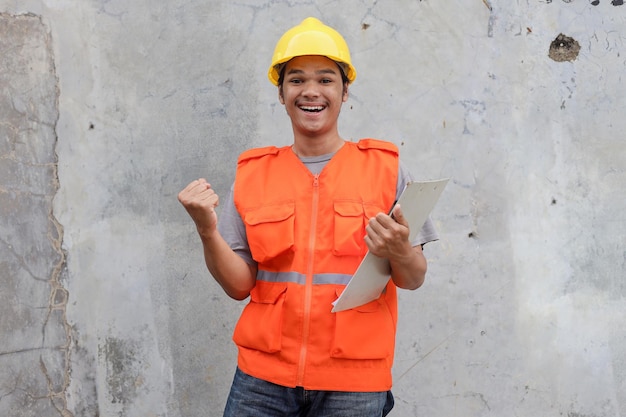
(233, 229)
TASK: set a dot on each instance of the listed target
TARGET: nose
(311, 89)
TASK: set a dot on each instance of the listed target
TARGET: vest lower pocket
(260, 325)
(365, 332)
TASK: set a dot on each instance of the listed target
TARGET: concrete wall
(108, 108)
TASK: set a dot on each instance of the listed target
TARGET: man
(294, 229)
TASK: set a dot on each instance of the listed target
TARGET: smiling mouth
(312, 109)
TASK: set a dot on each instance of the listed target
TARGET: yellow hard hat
(311, 37)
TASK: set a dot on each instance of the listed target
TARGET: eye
(295, 81)
(326, 81)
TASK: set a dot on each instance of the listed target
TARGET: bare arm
(235, 276)
(388, 237)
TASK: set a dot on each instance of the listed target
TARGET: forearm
(408, 270)
(236, 277)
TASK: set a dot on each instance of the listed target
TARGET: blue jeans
(253, 397)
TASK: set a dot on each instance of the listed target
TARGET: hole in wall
(564, 48)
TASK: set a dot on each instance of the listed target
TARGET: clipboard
(371, 277)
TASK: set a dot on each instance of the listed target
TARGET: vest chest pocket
(260, 326)
(270, 230)
(348, 229)
(351, 217)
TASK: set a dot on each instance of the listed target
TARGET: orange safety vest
(306, 233)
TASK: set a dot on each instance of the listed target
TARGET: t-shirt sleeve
(233, 230)
(427, 233)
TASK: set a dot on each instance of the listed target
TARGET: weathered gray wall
(35, 334)
(108, 108)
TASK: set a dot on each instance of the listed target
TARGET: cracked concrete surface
(36, 336)
(106, 308)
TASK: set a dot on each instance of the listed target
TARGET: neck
(318, 145)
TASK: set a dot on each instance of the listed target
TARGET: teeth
(312, 108)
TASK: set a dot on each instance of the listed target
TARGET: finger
(385, 220)
(201, 184)
(203, 197)
(198, 192)
(374, 226)
(377, 234)
(370, 243)
(398, 216)
(193, 187)
(210, 198)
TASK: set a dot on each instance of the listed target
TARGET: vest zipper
(308, 289)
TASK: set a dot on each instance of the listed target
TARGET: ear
(281, 98)
(345, 93)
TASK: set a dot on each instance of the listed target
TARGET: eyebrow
(319, 72)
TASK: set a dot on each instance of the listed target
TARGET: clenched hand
(200, 201)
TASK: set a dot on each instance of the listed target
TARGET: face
(313, 92)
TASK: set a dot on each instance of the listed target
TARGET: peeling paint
(38, 338)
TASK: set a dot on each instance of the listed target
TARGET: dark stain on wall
(593, 2)
(613, 2)
(123, 363)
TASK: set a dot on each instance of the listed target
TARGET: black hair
(342, 69)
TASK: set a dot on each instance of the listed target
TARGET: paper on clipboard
(417, 201)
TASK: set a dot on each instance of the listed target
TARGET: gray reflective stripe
(298, 278)
(342, 279)
(281, 277)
